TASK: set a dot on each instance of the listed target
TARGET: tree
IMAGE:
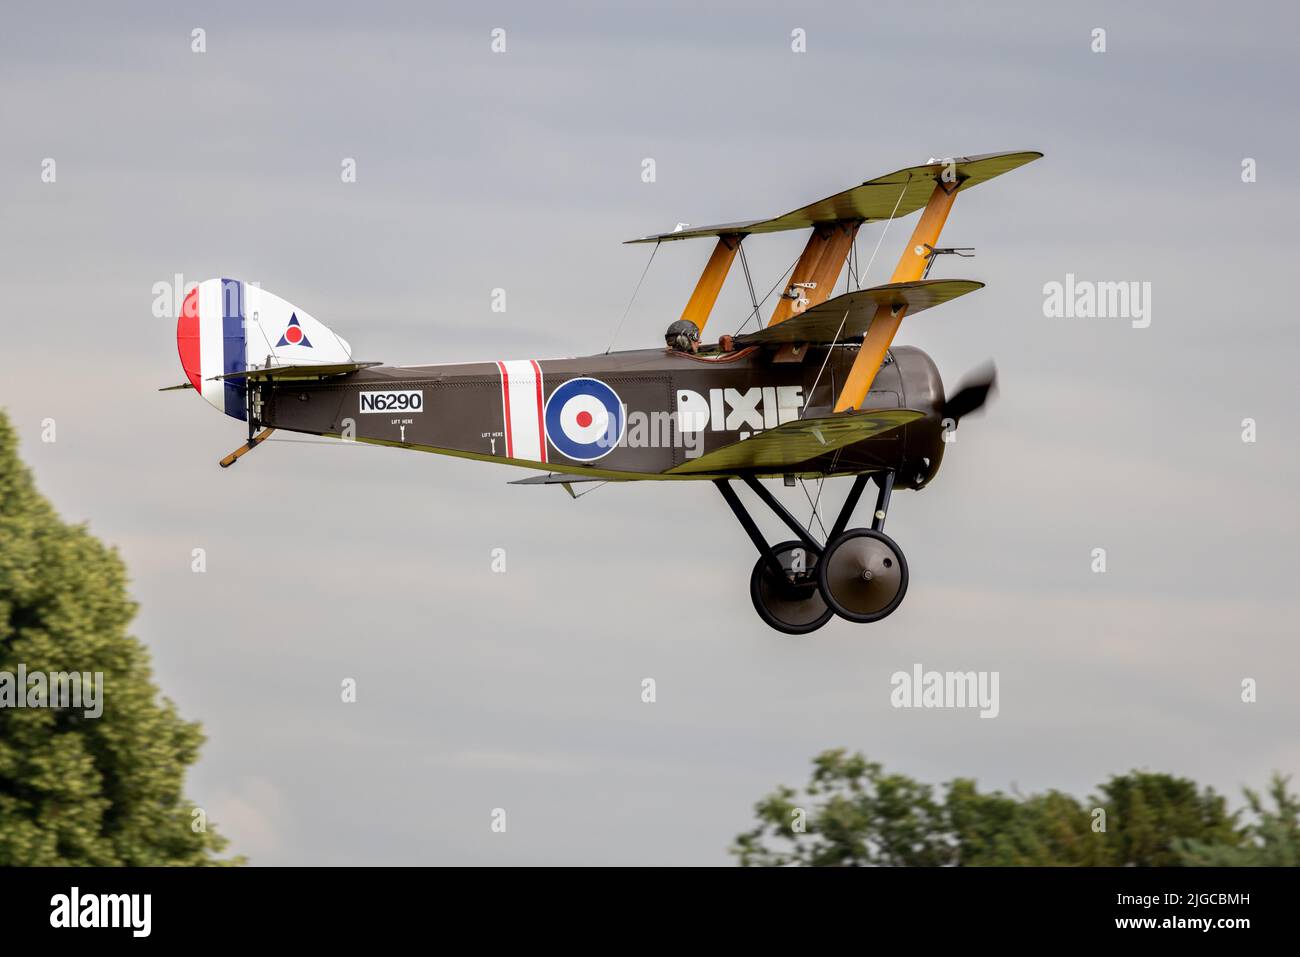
(853, 813)
(865, 817)
(1149, 814)
(76, 788)
(1272, 839)
(997, 830)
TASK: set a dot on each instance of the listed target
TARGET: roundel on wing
(584, 419)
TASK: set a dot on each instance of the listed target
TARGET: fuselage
(634, 414)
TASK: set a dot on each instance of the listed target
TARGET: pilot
(683, 336)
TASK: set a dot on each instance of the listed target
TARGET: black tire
(862, 575)
(793, 608)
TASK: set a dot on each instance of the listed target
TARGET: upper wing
(798, 441)
(849, 316)
(891, 196)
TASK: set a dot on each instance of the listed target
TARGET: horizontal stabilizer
(798, 441)
(885, 197)
(822, 323)
(320, 371)
(173, 388)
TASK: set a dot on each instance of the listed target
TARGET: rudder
(227, 326)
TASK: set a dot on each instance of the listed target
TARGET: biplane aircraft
(821, 391)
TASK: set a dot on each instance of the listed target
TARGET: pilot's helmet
(681, 334)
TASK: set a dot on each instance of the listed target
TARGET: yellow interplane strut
(820, 264)
(832, 262)
(885, 323)
(802, 272)
(706, 291)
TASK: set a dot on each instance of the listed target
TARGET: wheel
(793, 605)
(862, 575)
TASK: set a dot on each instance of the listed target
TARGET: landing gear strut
(859, 574)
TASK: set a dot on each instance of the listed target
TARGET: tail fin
(226, 326)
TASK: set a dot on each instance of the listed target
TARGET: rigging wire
(578, 495)
(888, 222)
(835, 461)
(843, 319)
(633, 299)
(754, 314)
(744, 264)
(815, 515)
(821, 482)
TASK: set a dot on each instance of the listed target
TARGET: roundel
(584, 419)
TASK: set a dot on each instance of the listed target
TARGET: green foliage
(997, 830)
(76, 789)
(865, 817)
(853, 813)
(1148, 814)
(1272, 839)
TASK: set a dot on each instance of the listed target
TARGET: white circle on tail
(584, 419)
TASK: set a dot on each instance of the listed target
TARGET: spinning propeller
(974, 391)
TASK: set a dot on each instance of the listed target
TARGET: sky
(522, 170)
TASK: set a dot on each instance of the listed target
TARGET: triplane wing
(891, 196)
(788, 445)
(849, 316)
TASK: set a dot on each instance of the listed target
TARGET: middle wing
(798, 441)
(822, 323)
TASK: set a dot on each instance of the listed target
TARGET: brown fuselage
(466, 409)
